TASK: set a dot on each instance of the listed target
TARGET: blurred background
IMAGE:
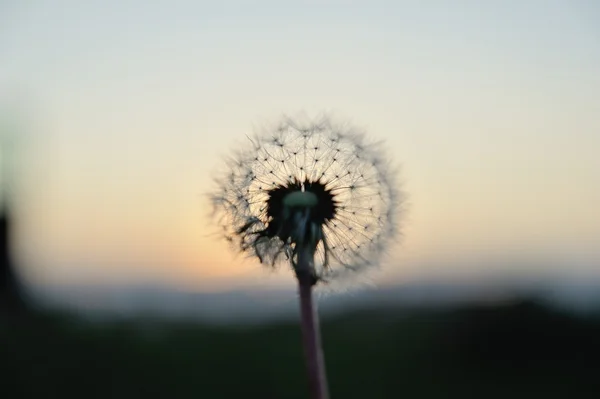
(115, 118)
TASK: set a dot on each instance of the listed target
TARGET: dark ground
(518, 350)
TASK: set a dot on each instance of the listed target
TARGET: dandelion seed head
(321, 176)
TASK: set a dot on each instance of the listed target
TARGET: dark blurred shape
(11, 298)
(11, 294)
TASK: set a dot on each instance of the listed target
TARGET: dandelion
(316, 196)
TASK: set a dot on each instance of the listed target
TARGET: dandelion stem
(311, 334)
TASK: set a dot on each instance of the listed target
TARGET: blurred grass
(518, 350)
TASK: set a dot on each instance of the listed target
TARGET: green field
(518, 350)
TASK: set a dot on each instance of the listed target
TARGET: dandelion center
(285, 202)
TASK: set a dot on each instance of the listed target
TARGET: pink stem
(311, 337)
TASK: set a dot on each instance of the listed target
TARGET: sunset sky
(124, 110)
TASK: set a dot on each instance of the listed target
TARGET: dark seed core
(324, 211)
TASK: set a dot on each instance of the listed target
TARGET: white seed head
(334, 156)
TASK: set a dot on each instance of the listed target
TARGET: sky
(122, 112)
